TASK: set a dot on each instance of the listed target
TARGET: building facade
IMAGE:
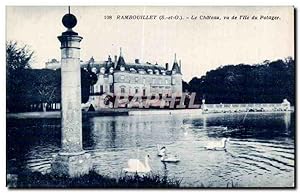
(119, 78)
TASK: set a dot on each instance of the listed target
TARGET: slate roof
(176, 67)
(129, 66)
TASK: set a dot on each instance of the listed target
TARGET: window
(167, 81)
(122, 90)
(101, 88)
(144, 80)
(92, 90)
(153, 80)
(136, 90)
(111, 88)
(144, 92)
(122, 77)
(136, 79)
(173, 81)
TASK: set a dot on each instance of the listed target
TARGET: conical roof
(175, 66)
(121, 61)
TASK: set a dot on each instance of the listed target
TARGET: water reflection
(132, 132)
(287, 120)
(204, 121)
(260, 151)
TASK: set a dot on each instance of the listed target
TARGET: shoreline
(123, 112)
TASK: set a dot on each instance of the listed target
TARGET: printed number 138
(107, 17)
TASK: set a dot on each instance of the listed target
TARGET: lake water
(260, 152)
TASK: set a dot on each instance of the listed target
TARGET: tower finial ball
(69, 21)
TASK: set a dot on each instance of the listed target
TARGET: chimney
(167, 66)
(137, 61)
(116, 60)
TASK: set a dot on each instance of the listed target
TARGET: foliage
(185, 86)
(35, 86)
(88, 78)
(16, 57)
(270, 82)
(26, 86)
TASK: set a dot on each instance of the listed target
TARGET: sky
(201, 45)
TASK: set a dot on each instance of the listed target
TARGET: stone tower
(71, 160)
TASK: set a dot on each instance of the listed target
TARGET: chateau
(116, 77)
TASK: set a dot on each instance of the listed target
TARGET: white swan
(136, 166)
(217, 145)
(161, 150)
(170, 158)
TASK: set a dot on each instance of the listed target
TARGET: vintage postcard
(150, 97)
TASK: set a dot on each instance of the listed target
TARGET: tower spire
(69, 8)
(175, 60)
(120, 51)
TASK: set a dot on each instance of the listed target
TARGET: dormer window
(111, 70)
(122, 68)
(141, 71)
(102, 70)
(150, 71)
(132, 70)
(157, 72)
(94, 70)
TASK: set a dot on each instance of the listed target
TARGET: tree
(88, 78)
(45, 86)
(269, 82)
(17, 60)
(185, 86)
(26, 86)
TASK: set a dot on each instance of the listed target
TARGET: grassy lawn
(29, 179)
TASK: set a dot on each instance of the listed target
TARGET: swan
(185, 127)
(136, 166)
(161, 150)
(217, 145)
(170, 158)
